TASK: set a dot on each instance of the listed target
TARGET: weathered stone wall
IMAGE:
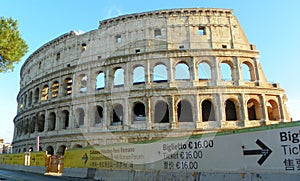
(141, 76)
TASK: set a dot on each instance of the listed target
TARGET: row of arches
(49, 149)
(116, 114)
(159, 74)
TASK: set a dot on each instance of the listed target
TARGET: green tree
(12, 46)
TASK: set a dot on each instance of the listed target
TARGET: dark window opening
(50, 150)
(139, 112)
(52, 122)
(208, 112)
(57, 56)
(66, 118)
(98, 115)
(157, 33)
(80, 116)
(201, 31)
(41, 123)
(161, 112)
(224, 46)
(230, 111)
(118, 39)
(184, 112)
(181, 47)
(117, 114)
(137, 50)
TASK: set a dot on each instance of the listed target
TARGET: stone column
(173, 121)
(215, 71)
(237, 72)
(264, 111)
(243, 109)
(220, 117)
(280, 108)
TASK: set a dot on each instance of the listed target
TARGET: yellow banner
(37, 158)
(91, 158)
(17, 159)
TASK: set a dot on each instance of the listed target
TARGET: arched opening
(36, 95)
(25, 101)
(40, 148)
(254, 110)
(119, 77)
(68, 86)
(248, 72)
(182, 72)
(184, 111)
(83, 79)
(98, 115)
(41, 123)
(65, 119)
(204, 71)
(50, 150)
(226, 71)
(273, 110)
(45, 92)
(139, 112)
(61, 150)
(51, 121)
(24, 150)
(117, 114)
(230, 111)
(55, 88)
(30, 149)
(80, 116)
(139, 75)
(77, 146)
(208, 111)
(32, 125)
(161, 112)
(30, 99)
(160, 73)
(100, 82)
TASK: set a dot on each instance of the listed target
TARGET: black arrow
(85, 158)
(265, 152)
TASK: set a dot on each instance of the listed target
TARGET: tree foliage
(12, 46)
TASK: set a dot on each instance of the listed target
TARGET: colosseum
(144, 76)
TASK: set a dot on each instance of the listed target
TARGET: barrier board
(273, 148)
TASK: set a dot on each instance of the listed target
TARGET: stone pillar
(220, 117)
(46, 126)
(149, 110)
(256, 69)
(215, 71)
(173, 120)
(264, 111)
(237, 72)
(243, 109)
(280, 108)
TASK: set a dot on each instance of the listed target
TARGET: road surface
(9, 175)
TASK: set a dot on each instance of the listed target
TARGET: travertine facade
(143, 76)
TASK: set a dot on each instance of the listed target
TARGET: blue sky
(273, 25)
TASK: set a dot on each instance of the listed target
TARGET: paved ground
(9, 175)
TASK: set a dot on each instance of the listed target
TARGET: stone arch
(138, 75)
(273, 110)
(32, 124)
(208, 110)
(182, 71)
(30, 98)
(80, 116)
(248, 73)
(77, 146)
(204, 71)
(51, 121)
(50, 150)
(161, 112)
(68, 86)
(231, 110)
(61, 150)
(83, 81)
(253, 109)
(65, 119)
(226, 69)
(36, 95)
(98, 115)
(100, 81)
(30, 149)
(41, 122)
(119, 77)
(160, 73)
(45, 93)
(118, 114)
(54, 89)
(139, 112)
(184, 111)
